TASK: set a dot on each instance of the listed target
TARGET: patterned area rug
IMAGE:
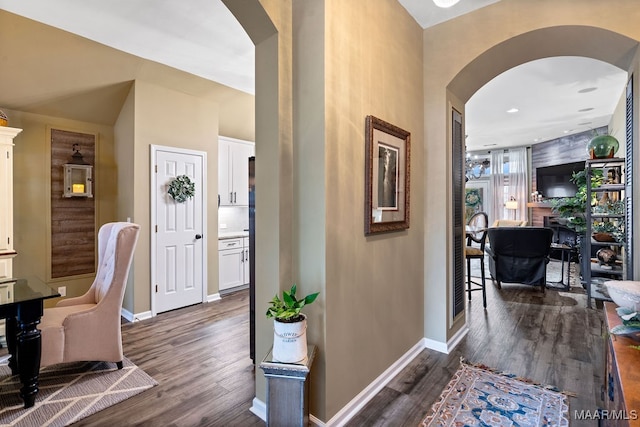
(70, 392)
(477, 396)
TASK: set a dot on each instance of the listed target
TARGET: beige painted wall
(354, 274)
(54, 77)
(174, 119)
(374, 285)
(377, 85)
(32, 215)
(448, 50)
(124, 137)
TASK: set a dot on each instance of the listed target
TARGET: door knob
(198, 236)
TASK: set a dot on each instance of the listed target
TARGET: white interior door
(179, 230)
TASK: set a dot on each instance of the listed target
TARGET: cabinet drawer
(229, 244)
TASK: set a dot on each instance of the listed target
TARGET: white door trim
(154, 219)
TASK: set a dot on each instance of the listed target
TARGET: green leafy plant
(572, 209)
(181, 188)
(609, 227)
(288, 308)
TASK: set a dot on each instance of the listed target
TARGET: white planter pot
(290, 341)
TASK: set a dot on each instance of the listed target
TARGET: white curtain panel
(519, 180)
(497, 185)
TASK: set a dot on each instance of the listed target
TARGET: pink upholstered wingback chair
(87, 328)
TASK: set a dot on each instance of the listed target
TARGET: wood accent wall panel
(568, 149)
(73, 221)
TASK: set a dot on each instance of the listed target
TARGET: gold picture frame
(387, 177)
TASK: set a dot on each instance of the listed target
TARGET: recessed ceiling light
(587, 89)
(489, 145)
(568, 131)
(585, 109)
(512, 110)
(584, 123)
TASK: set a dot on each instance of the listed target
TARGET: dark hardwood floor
(549, 338)
(200, 357)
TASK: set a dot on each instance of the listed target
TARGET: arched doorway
(590, 42)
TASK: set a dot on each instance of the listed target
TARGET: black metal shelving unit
(614, 185)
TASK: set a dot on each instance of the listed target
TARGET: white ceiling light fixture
(445, 3)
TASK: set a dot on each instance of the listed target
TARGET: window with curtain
(509, 181)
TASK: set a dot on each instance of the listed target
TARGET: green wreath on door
(181, 188)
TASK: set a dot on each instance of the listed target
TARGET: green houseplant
(288, 308)
(572, 209)
(289, 325)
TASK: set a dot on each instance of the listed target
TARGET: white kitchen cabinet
(233, 171)
(7, 251)
(246, 259)
(233, 257)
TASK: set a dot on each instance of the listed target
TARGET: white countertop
(232, 234)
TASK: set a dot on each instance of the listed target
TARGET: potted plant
(289, 325)
(572, 209)
(608, 231)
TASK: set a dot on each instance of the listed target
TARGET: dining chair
(87, 328)
(476, 232)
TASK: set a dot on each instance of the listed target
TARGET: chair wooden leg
(119, 364)
(484, 288)
(469, 278)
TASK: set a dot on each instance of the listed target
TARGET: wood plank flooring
(550, 338)
(200, 357)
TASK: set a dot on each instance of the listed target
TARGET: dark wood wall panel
(73, 222)
(568, 149)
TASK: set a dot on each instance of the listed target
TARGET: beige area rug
(70, 392)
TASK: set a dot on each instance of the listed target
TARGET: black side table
(567, 252)
(288, 390)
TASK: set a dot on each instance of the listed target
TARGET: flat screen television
(555, 181)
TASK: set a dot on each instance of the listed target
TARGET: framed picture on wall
(387, 161)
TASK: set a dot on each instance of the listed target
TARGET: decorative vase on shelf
(602, 147)
(606, 256)
(4, 120)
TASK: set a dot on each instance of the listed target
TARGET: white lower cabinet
(246, 259)
(233, 258)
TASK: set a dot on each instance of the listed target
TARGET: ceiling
(554, 96)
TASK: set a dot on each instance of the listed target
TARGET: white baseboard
(438, 346)
(147, 314)
(455, 340)
(447, 347)
(213, 297)
(135, 317)
(315, 422)
(259, 408)
(358, 402)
